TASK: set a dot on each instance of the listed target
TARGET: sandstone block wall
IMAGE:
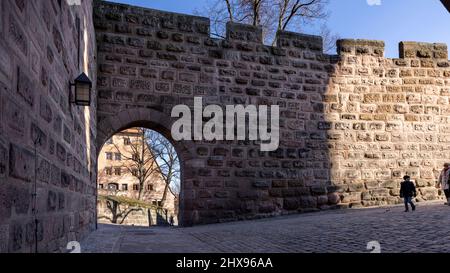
(39, 56)
(352, 124)
(388, 118)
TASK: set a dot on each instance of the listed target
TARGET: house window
(117, 171)
(113, 187)
(118, 156)
(100, 186)
(126, 141)
(135, 187)
(125, 187)
(150, 187)
(108, 171)
(109, 156)
(134, 172)
(157, 203)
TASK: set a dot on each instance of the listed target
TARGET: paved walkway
(425, 230)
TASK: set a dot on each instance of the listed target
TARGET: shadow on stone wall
(44, 140)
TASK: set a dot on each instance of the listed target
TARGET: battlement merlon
(244, 32)
(360, 47)
(301, 41)
(412, 50)
(108, 13)
(423, 50)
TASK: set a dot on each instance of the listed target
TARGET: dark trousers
(408, 200)
(447, 193)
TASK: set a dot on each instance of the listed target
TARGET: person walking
(443, 182)
(408, 191)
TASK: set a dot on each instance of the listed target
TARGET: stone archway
(157, 121)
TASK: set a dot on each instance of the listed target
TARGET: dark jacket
(407, 189)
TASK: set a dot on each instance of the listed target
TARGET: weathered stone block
(162, 87)
(141, 85)
(66, 179)
(135, 42)
(45, 110)
(308, 202)
(4, 237)
(291, 203)
(38, 137)
(334, 198)
(261, 184)
(33, 232)
(17, 36)
(21, 163)
(322, 200)
(3, 160)
(16, 237)
(216, 161)
(24, 87)
(61, 201)
(351, 197)
(318, 190)
(52, 201)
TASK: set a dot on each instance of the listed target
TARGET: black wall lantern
(83, 87)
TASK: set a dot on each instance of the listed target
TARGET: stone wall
(39, 56)
(352, 124)
(387, 118)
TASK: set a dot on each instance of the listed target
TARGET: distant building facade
(117, 173)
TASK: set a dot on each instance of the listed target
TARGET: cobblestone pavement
(425, 230)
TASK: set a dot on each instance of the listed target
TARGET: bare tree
(241, 11)
(292, 12)
(149, 155)
(329, 39)
(271, 15)
(119, 210)
(138, 160)
(167, 161)
(146, 155)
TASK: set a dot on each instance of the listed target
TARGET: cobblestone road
(425, 230)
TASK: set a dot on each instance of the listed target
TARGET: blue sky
(392, 21)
